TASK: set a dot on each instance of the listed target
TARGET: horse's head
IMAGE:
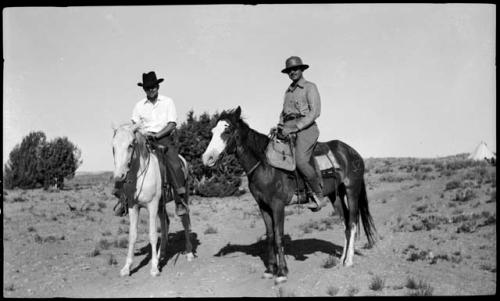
(124, 140)
(224, 136)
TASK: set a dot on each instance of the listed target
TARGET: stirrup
(319, 202)
(181, 209)
(122, 210)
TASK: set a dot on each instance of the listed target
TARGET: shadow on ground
(176, 246)
(298, 248)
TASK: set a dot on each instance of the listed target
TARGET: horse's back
(347, 157)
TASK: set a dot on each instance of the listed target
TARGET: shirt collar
(300, 84)
(146, 100)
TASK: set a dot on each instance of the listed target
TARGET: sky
(395, 80)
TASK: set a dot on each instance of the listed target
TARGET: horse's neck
(143, 160)
(251, 149)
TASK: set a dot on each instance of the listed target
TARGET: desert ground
(435, 220)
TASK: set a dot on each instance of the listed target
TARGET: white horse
(132, 158)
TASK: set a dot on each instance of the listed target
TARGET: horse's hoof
(155, 273)
(124, 272)
(348, 264)
(189, 256)
(267, 275)
(280, 279)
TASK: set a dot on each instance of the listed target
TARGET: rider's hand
(273, 130)
(287, 130)
(150, 136)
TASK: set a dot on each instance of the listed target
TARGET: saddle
(280, 153)
(167, 189)
(128, 189)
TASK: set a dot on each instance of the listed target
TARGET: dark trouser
(304, 146)
(172, 164)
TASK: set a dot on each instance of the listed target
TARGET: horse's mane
(254, 141)
(140, 139)
(141, 145)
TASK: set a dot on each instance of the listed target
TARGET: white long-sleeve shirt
(154, 117)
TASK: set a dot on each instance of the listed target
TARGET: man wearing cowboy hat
(158, 118)
(301, 107)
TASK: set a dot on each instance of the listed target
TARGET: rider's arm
(314, 102)
(168, 118)
(136, 118)
(281, 121)
(282, 114)
(165, 131)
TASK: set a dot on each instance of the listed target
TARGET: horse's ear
(238, 111)
(135, 127)
(113, 127)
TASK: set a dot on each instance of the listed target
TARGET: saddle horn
(136, 127)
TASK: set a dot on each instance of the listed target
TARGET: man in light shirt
(158, 118)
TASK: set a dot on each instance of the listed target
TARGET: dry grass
(121, 243)
(377, 283)
(488, 267)
(332, 290)
(112, 260)
(352, 290)
(319, 225)
(284, 293)
(421, 288)
(210, 230)
(95, 252)
(330, 262)
(107, 233)
(104, 244)
(411, 283)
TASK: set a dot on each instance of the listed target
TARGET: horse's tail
(366, 218)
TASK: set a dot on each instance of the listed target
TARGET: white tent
(481, 153)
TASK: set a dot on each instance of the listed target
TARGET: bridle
(225, 152)
(127, 175)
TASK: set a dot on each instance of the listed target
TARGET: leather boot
(119, 208)
(117, 188)
(320, 201)
(180, 208)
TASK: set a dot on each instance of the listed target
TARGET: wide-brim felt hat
(293, 62)
(149, 80)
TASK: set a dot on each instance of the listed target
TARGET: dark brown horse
(274, 188)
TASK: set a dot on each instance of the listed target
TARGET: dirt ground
(436, 226)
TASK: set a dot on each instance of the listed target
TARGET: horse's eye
(130, 145)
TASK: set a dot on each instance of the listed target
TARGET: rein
(143, 172)
(253, 168)
(225, 152)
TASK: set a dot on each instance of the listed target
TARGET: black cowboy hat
(149, 80)
(292, 62)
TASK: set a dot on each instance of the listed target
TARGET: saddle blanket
(327, 164)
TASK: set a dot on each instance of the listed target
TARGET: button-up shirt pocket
(302, 105)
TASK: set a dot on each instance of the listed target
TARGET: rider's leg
(175, 175)
(120, 208)
(306, 140)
